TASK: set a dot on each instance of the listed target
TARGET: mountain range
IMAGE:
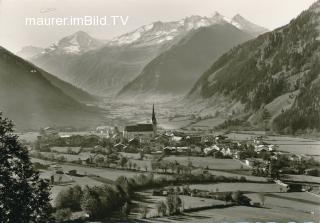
(277, 72)
(104, 67)
(234, 68)
(175, 71)
(33, 98)
(160, 32)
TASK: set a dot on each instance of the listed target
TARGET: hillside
(175, 71)
(103, 72)
(32, 101)
(70, 90)
(277, 71)
(100, 71)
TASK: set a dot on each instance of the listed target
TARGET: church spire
(154, 120)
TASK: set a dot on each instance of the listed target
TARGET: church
(143, 132)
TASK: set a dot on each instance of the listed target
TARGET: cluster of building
(175, 142)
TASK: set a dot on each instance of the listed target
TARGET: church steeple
(154, 120)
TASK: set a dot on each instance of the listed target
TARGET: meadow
(203, 162)
(244, 187)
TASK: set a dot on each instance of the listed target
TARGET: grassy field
(69, 157)
(110, 174)
(240, 214)
(28, 136)
(303, 178)
(66, 181)
(300, 202)
(219, 164)
(46, 162)
(187, 202)
(228, 174)
(229, 187)
(136, 156)
(279, 207)
(175, 123)
(207, 123)
(91, 176)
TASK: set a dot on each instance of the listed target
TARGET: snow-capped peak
(217, 17)
(161, 32)
(78, 42)
(245, 25)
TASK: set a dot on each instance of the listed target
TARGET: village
(195, 162)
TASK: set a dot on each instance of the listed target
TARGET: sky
(14, 34)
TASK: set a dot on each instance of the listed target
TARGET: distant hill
(277, 72)
(33, 101)
(175, 71)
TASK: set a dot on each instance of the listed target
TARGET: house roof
(139, 128)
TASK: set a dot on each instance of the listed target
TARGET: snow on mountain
(245, 25)
(162, 32)
(29, 51)
(76, 43)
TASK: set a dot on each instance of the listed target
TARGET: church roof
(139, 128)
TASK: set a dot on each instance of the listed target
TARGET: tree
(141, 154)
(24, 197)
(236, 196)
(174, 204)
(123, 161)
(124, 184)
(262, 198)
(60, 179)
(266, 116)
(155, 166)
(70, 198)
(161, 208)
(125, 210)
(144, 212)
(91, 203)
(134, 166)
(62, 215)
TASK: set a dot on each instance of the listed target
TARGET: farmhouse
(103, 129)
(209, 150)
(252, 162)
(119, 147)
(311, 172)
(226, 151)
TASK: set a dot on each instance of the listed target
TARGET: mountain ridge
(103, 71)
(173, 73)
(276, 71)
(32, 101)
